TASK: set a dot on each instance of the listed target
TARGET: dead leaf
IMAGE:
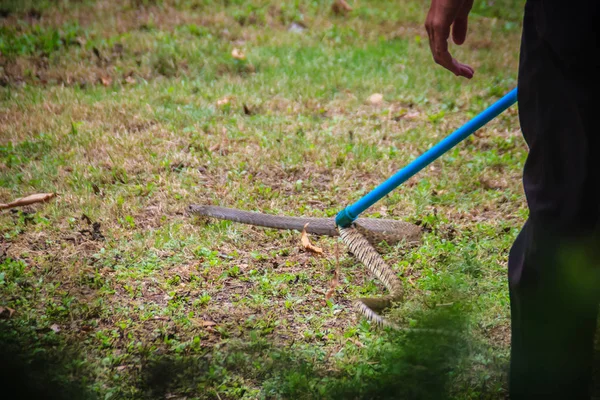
(223, 101)
(238, 54)
(130, 79)
(357, 342)
(412, 115)
(493, 184)
(25, 201)
(205, 322)
(375, 98)
(297, 27)
(106, 80)
(306, 242)
(340, 7)
(6, 312)
(55, 328)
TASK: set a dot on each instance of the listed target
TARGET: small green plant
(13, 271)
(437, 117)
(234, 272)
(203, 300)
(127, 221)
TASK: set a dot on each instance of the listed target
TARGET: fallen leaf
(55, 328)
(6, 312)
(121, 367)
(223, 101)
(306, 242)
(340, 7)
(375, 98)
(238, 54)
(205, 322)
(106, 80)
(297, 27)
(493, 184)
(130, 79)
(412, 115)
(25, 201)
(356, 342)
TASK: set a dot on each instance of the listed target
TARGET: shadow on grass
(30, 369)
(391, 365)
(414, 365)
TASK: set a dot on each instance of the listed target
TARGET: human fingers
(439, 48)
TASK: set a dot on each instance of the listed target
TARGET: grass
(131, 111)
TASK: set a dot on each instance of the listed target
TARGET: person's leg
(553, 265)
(553, 314)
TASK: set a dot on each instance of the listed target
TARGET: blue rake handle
(345, 217)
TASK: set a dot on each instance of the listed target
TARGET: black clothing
(554, 268)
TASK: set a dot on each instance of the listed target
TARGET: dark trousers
(554, 264)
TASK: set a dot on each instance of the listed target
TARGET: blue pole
(345, 217)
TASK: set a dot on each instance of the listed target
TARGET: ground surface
(130, 111)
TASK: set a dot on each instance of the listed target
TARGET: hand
(444, 15)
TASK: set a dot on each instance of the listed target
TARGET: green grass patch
(135, 113)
